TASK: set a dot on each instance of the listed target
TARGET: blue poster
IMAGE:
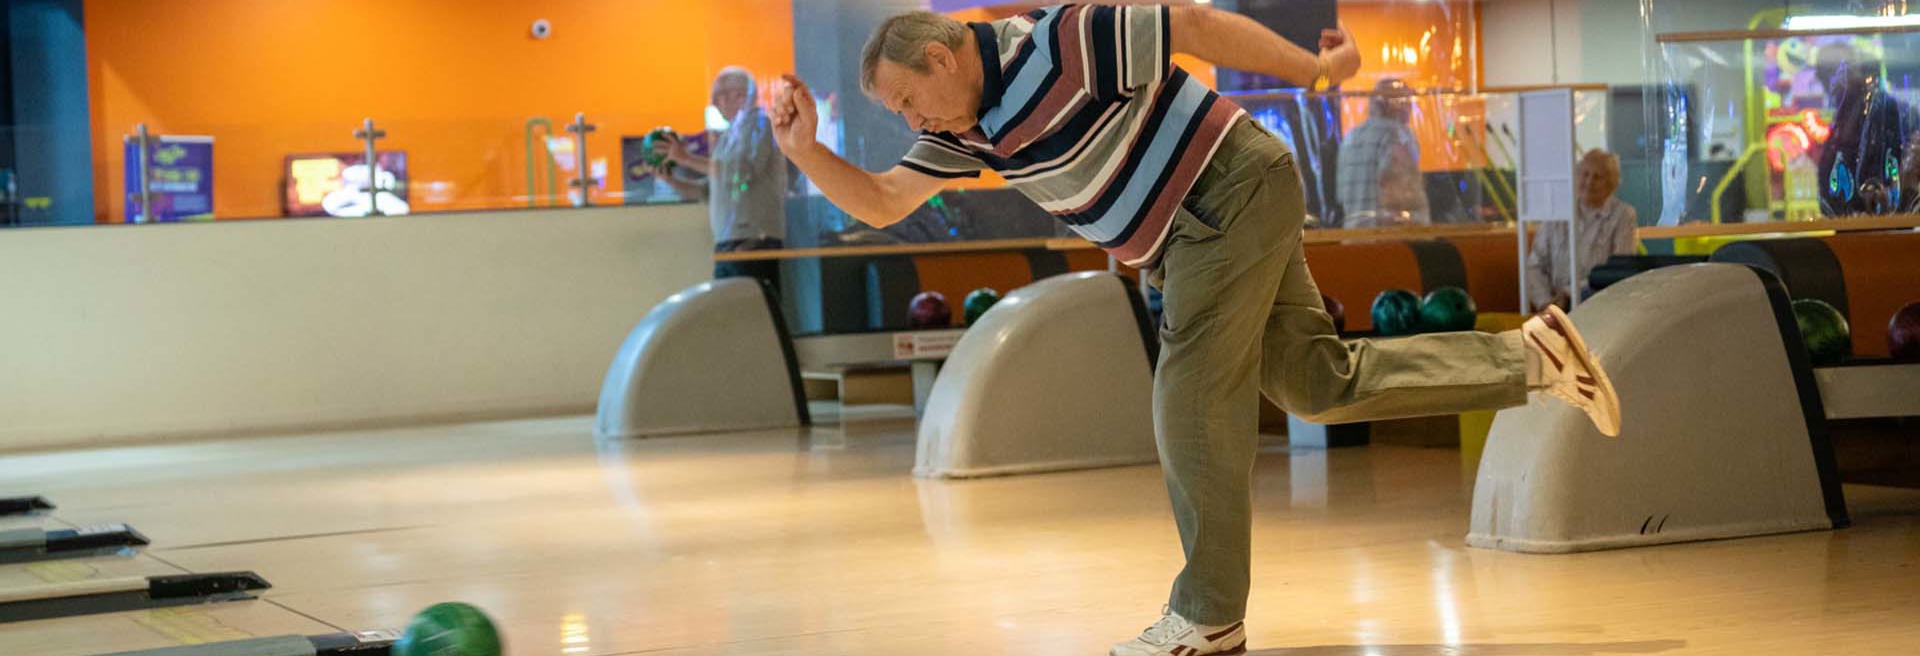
(181, 184)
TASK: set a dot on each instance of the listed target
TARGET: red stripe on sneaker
(1557, 365)
(1586, 380)
(1586, 393)
(1552, 322)
(1180, 650)
(1224, 632)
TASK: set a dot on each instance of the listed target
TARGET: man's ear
(940, 58)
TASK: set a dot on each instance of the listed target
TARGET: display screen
(336, 184)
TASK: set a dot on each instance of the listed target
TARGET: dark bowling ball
(929, 310)
(1824, 331)
(449, 629)
(1337, 309)
(1447, 309)
(1396, 312)
(978, 302)
(1903, 333)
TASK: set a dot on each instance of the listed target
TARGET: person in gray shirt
(1379, 182)
(746, 179)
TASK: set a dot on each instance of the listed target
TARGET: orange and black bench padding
(1866, 275)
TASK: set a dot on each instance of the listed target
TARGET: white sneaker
(1173, 635)
(1571, 373)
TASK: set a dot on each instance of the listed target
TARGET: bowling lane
(29, 521)
(153, 629)
(142, 485)
(818, 542)
(22, 575)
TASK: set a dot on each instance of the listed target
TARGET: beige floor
(817, 542)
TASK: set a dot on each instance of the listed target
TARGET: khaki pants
(1243, 317)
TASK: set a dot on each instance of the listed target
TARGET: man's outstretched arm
(876, 199)
(1224, 38)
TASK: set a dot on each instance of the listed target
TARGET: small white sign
(924, 345)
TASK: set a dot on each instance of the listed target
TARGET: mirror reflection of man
(1379, 181)
(746, 179)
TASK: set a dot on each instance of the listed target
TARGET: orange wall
(452, 81)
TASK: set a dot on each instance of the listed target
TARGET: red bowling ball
(1903, 333)
(1334, 307)
(929, 310)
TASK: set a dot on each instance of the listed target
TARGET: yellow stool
(1475, 425)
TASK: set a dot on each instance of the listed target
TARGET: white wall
(1589, 41)
(1527, 42)
(165, 331)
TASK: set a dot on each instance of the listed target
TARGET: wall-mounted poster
(181, 185)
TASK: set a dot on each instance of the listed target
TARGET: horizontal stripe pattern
(1089, 118)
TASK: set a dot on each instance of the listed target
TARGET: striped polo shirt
(1086, 115)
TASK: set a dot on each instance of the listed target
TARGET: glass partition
(473, 115)
(1791, 117)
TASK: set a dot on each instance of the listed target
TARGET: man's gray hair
(903, 40)
(734, 76)
(1607, 162)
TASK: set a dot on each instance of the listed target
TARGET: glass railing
(1788, 121)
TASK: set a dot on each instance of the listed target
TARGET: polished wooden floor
(818, 542)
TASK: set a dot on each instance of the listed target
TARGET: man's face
(935, 101)
(729, 99)
(1595, 183)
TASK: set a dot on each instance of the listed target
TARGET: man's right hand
(794, 117)
(1341, 54)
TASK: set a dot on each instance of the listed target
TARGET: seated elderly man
(1606, 229)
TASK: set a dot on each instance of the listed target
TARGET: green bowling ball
(1824, 330)
(449, 629)
(1447, 309)
(657, 136)
(1396, 312)
(977, 303)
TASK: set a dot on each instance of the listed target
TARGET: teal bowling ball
(978, 302)
(1824, 330)
(1447, 309)
(1396, 312)
(449, 629)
